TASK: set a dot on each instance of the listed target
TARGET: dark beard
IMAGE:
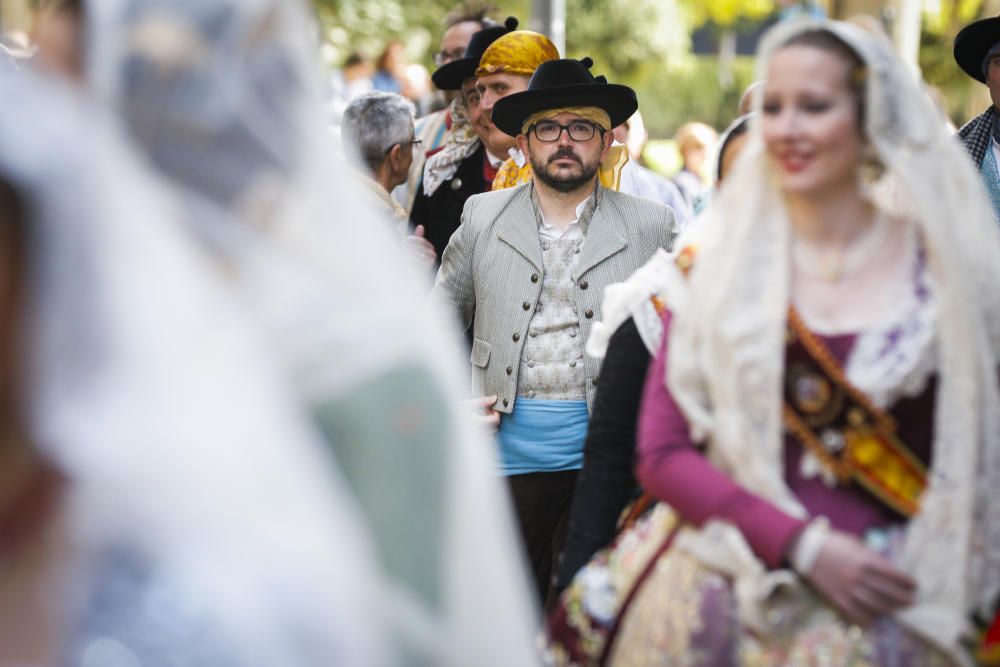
(565, 184)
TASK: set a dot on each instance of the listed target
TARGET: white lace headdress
(727, 342)
(151, 389)
(223, 98)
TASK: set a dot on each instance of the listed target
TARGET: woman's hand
(861, 584)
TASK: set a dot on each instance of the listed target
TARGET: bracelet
(809, 544)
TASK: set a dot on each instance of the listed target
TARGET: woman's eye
(771, 108)
(816, 107)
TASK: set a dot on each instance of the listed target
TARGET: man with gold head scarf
(529, 265)
(505, 69)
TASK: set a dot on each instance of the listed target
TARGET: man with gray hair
(378, 136)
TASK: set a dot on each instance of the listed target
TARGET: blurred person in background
(696, 144)
(375, 370)
(162, 500)
(749, 97)
(462, 167)
(638, 180)
(390, 69)
(977, 52)
(378, 128)
(433, 129)
(55, 33)
(353, 79)
(418, 89)
(731, 145)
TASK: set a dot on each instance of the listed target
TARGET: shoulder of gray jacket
(490, 204)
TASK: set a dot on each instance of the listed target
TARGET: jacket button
(456, 184)
(505, 402)
(584, 284)
(526, 305)
(534, 277)
(516, 337)
(589, 314)
(510, 371)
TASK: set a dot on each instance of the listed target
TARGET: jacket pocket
(480, 353)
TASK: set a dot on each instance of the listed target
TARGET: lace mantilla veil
(223, 99)
(206, 524)
(727, 344)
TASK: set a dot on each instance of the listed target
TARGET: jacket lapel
(518, 228)
(602, 241)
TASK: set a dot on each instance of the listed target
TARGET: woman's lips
(794, 162)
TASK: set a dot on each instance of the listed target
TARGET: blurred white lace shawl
(150, 389)
(727, 342)
(224, 98)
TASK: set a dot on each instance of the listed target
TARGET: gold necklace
(838, 265)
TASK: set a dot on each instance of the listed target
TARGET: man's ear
(607, 138)
(395, 156)
(522, 144)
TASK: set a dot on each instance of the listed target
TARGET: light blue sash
(542, 436)
(991, 176)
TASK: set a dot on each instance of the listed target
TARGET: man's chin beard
(566, 185)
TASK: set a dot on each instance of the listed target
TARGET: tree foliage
(623, 35)
(725, 12)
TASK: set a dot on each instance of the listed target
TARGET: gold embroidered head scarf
(519, 52)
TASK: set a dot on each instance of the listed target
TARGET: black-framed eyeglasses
(549, 131)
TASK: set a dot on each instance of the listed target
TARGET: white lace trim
(895, 359)
(632, 299)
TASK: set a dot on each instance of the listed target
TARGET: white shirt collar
(553, 232)
(495, 162)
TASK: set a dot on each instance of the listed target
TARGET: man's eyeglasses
(549, 131)
(445, 57)
(412, 142)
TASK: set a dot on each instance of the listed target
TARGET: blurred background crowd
(687, 60)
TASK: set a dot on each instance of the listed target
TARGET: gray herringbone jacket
(492, 269)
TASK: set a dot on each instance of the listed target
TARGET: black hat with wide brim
(972, 44)
(452, 75)
(564, 83)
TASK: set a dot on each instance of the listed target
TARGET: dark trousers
(541, 502)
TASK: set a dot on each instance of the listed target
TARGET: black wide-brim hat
(972, 44)
(564, 83)
(452, 75)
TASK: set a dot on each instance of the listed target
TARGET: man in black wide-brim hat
(530, 264)
(462, 166)
(977, 52)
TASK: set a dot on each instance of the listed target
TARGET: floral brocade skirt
(644, 603)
